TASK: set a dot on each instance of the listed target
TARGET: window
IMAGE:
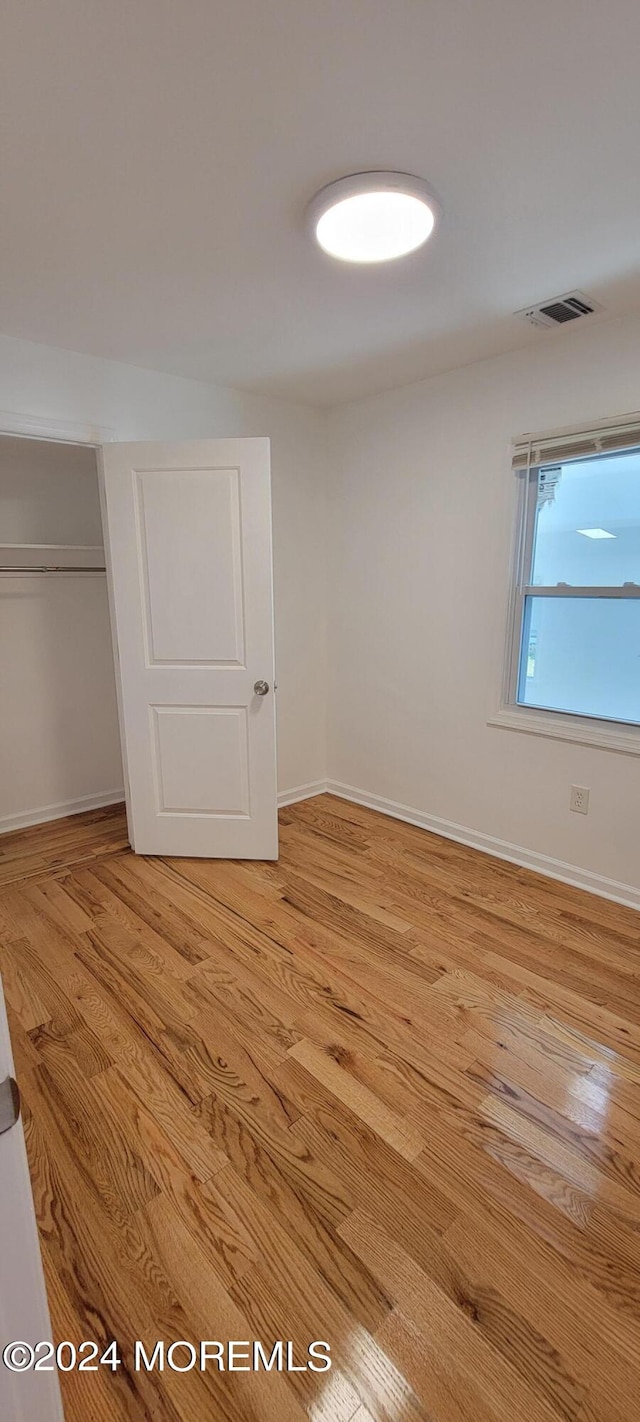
(575, 643)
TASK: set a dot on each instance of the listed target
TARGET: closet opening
(59, 737)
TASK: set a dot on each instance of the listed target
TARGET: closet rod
(29, 568)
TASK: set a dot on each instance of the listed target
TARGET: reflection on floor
(384, 1093)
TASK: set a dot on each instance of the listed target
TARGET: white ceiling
(158, 156)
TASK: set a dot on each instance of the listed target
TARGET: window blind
(577, 442)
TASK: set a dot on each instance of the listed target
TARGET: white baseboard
(302, 792)
(59, 811)
(572, 874)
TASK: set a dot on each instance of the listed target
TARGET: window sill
(607, 735)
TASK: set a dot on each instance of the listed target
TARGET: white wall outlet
(579, 799)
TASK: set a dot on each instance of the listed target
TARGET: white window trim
(538, 721)
(561, 726)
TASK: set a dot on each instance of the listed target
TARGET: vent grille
(560, 309)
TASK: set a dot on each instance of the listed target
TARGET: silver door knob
(261, 687)
(9, 1104)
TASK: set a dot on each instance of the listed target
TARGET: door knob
(261, 688)
(9, 1104)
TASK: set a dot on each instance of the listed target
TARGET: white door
(188, 550)
(24, 1315)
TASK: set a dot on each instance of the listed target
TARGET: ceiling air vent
(560, 309)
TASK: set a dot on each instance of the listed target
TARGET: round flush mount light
(373, 217)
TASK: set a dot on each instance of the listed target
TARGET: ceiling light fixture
(373, 217)
(595, 533)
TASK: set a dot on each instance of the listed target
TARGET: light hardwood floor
(384, 1093)
(30, 853)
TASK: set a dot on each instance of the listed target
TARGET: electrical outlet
(579, 799)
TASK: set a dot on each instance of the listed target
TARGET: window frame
(513, 714)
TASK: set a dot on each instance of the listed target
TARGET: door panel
(202, 759)
(188, 537)
(191, 551)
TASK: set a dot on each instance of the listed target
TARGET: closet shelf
(71, 547)
(51, 558)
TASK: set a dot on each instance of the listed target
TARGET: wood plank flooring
(384, 1093)
(28, 853)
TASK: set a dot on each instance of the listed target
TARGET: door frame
(89, 436)
(16, 422)
(92, 436)
(29, 426)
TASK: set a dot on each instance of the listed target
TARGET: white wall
(48, 493)
(422, 504)
(64, 386)
(59, 742)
